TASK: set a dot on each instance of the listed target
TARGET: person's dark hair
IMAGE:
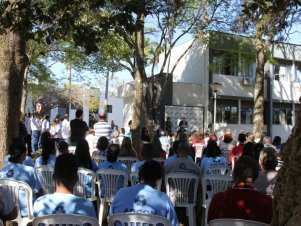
(228, 137)
(174, 149)
(245, 168)
(184, 147)
(78, 113)
(157, 146)
(150, 172)
(65, 170)
(46, 117)
(248, 149)
(242, 138)
(213, 149)
(277, 140)
(147, 151)
(113, 152)
(102, 116)
(44, 136)
(256, 150)
(126, 147)
(182, 137)
(83, 155)
(268, 158)
(62, 146)
(102, 143)
(66, 116)
(48, 147)
(16, 149)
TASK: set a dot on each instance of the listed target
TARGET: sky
(59, 69)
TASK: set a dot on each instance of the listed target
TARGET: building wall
(187, 94)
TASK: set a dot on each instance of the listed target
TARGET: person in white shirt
(55, 130)
(66, 131)
(36, 127)
(45, 124)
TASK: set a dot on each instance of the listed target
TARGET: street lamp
(215, 86)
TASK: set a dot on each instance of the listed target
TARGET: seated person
(63, 147)
(143, 197)
(242, 201)
(238, 150)
(174, 153)
(28, 161)
(8, 209)
(266, 181)
(147, 153)
(102, 145)
(63, 201)
(112, 163)
(16, 170)
(213, 157)
(48, 156)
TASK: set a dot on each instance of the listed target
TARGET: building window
(298, 72)
(246, 112)
(282, 114)
(225, 63)
(283, 70)
(227, 112)
(248, 65)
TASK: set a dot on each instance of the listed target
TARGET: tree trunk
(258, 119)
(287, 205)
(12, 67)
(138, 93)
(24, 92)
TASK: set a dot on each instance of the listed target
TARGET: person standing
(27, 123)
(45, 124)
(36, 127)
(66, 129)
(168, 126)
(78, 127)
(102, 128)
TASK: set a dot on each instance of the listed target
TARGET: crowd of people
(253, 157)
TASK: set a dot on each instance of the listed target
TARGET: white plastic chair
(217, 183)
(128, 161)
(219, 170)
(98, 159)
(44, 174)
(134, 178)
(198, 151)
(109, 178)
(181, 187)
(137, 219)
(65, 219)
(14, 187)
(235, 222)
(80, 187)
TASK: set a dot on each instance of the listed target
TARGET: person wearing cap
(16, 170)
(143, 197)
(102, 128)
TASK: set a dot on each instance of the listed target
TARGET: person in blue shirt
(28, 161)
(175, 153)
(16, 170)
(147, 154)
(48, 156)
(63, 201)
(112, 163)
(143, 197)
(213, 157)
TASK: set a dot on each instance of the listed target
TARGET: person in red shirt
(238, 149)
(242, 201)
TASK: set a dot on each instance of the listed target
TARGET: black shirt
(78, 129)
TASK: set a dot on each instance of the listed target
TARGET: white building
(230, 61)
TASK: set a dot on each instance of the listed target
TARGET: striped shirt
(102, 129)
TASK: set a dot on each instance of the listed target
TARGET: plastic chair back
(235, 222)
(124, 219)
(44, 174)
(128, 161)
(65, 219)
(212, 184)
(14, 187)
(98, 158)
(85, 176)
(219, 170)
